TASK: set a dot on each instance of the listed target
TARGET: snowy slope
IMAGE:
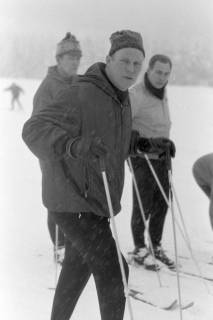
(26, 262)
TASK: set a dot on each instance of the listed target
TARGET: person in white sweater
(151, 119)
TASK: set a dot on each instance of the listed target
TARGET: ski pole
(188, 239)
(156, 179)
(173, 220)
(114, 229)
(163, 192)
(174, 234)
(143, 216)
(174, 230)
(184, 235)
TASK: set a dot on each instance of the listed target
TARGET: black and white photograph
(106, 159)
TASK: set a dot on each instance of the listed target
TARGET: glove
(139, 144)
(157, 145)
(87, 147)
(171, 147)
(165, 144)
(133, 146)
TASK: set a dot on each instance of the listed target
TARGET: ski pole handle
(168, 160)
(102, 165)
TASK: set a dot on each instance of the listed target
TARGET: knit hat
(69, 45)
(126, 39)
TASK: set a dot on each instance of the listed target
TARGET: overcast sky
(102, 17)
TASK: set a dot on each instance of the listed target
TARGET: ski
(162, 297)
(201, 257)
(133, 261)
(187, 267)
(148, 292)
(156, 298)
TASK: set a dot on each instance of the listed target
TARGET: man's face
(124, 66)
(68, 64)
(159, 74)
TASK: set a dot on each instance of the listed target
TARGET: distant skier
(203, 174)
(59, 77)
(15, 92)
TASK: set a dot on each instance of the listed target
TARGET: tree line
(28, 56)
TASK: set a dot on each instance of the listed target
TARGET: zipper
(122, 111)
(86, 184)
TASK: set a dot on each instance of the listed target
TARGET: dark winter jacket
(50, 88)
(90, 107)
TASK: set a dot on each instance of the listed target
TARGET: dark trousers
(89, 249)
(154, 205)
(52, 231)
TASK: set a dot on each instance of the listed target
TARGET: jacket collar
(97, 75)
(159, 93)
(53, 73)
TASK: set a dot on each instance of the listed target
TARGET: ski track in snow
(27, 269)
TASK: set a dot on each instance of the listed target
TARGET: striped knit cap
(69, 45)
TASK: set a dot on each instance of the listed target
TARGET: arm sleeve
(47, 133)
(44, 96)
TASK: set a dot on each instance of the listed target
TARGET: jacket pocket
(76, 175)
(97, 194)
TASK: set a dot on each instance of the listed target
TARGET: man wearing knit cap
(59, 77)
(90, 124)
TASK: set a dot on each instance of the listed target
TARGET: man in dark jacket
(59, 77)
(90, 121)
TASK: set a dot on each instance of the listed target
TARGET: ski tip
(187, 305)
(167, 304)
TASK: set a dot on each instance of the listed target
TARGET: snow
(27, 270)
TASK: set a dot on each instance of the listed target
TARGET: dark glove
(87, 147)
(134, 142)
(165, 144)
(157, 145)
(172, 148)
(140, 144)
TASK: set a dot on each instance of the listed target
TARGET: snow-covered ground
(26, 264)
